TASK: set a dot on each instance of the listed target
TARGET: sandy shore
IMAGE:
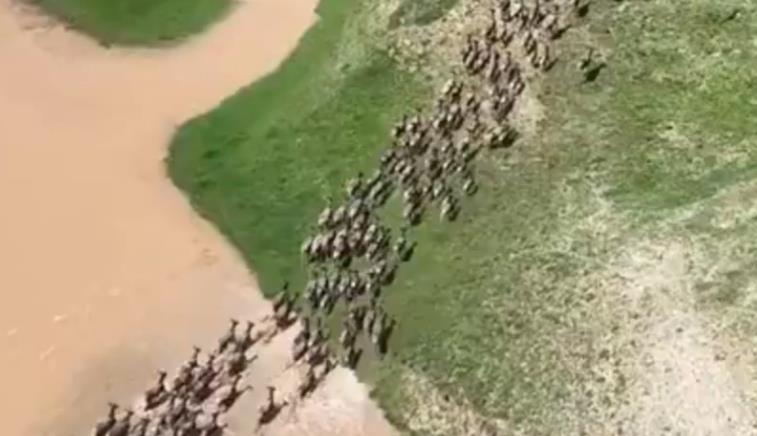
(107, 273)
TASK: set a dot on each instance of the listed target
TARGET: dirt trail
(107, 274)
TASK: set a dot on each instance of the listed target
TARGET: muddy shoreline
(111, 273)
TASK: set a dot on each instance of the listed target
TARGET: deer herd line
(350, 253)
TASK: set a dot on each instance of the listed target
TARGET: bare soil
(107, 273)
(683, 376)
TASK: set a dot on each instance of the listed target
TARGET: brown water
(106, 273)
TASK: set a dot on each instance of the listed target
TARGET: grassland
(289, 141)
(420, 12)
(137, 22)
(518, 316)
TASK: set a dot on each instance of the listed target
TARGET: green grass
(493, 308)
(501, 303)
(262, 165)
(137, 22)
(668, 125)
(420, 12)
(684, 94)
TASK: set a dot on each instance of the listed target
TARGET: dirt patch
(338, 407)
(685, 384)
(679, 378)
(430, 412)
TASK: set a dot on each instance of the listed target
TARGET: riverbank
(538, 310)
(137, 22)
(110, 274)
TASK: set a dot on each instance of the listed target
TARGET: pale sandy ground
(107, 274)
(684, 378)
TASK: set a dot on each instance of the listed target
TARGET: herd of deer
(201, 390)
(351, 253)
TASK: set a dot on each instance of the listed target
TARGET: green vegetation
(137, 22)
(495, 309)
(420, 11)
(262, 165)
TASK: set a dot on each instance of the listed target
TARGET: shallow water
(106, 274)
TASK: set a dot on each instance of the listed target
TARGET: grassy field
(518, 316)
(137, 22)
(289, 141)
(420, 12)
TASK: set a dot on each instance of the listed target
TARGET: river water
(106, 274)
